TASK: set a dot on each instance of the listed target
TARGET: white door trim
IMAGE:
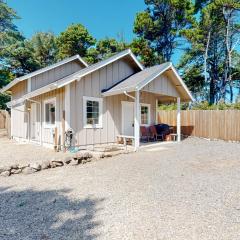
(141, 104)
(125, 103)
(33, 121)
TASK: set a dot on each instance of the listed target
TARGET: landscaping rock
(79, 156)
(67, 160)
(5, 173)
(4, 169)
(29, 170)
(24, 166)
(16, 171)
(97, 155)
(108, 155)
(74, 162)
(45, 164)
(52, 165)
(36, 166)
(14, 166)
(57, 163)
(87, 155)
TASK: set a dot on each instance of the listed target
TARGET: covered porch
(164, 84)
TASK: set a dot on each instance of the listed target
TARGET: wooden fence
(5, 121)
(212, 124)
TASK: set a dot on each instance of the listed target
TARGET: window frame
(149, 114)
(45, 124)
(96, 99)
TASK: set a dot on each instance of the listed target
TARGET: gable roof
(83, 72)
(141, 79)
(42, 70)
(78, 75)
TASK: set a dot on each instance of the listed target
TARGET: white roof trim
(35, 93)
(147, 81)
(42, 70)
(78, 75)
(182, 83)
(139, 86)
(83, 72)
(152, 77)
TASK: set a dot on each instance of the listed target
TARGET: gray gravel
(12, 152)
(181, 191)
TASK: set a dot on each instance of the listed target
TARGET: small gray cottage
(98, 102)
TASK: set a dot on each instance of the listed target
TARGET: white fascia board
(82, 61)
(78, 75)
(119, 91)
(42, 70)
(136, 60)
(11, 84)
(182, 83)
(152, 77)
(33, 94)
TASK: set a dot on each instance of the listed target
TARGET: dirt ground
(189, 190)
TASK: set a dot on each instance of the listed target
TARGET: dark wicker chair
(155, 134)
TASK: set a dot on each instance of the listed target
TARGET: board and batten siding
(162, 85)
(19, 90)
(55, 74)
(19, 118)
(21, 128)
(91, 86)
(47, 133)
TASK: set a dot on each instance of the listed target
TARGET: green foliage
(4, 98)
(7, 16)
(74, 40)
(5, 77)
(44, 48)
(147, 55)
(208, 38)
(160, 25)
(204, 105)
(18, 57)
(220, 106)
(109, 46)
(173, 106)
(194, 79)
(92, 55)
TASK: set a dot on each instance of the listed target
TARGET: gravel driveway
(12, 152)
(181, 191)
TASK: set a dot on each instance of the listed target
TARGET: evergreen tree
(74, 40)
(159, 28)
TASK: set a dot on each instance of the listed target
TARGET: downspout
(128, 95)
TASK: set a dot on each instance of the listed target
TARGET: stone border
(78, 158)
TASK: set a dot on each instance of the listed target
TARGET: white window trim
(141, 104)
(100, 100)
(50, 100)
(149, 114)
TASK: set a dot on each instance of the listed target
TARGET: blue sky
(101, 18)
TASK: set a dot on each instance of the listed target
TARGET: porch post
(178, 119)
(136, 121)
(41, 124)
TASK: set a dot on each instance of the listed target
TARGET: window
(92, 108)
(145, 114)
(49, 112)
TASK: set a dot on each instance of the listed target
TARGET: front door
(128, 118)
(33, 120)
